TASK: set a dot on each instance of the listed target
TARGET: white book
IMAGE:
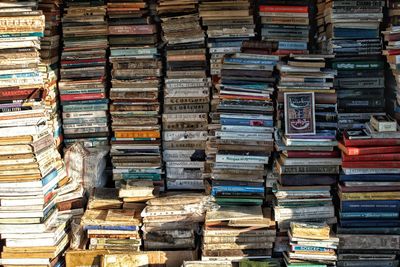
(21, 262)
(27, 228)
(54, 230)
(35, 242)
(26, 213)
(18, 201)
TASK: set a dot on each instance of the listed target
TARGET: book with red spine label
(74, 97)
(373, 157)
(354, 151)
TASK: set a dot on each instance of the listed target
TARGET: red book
(16, 94)
(393, 52)
(313, 154)
(373, 157)
(393, 37)
(371, 164)
(75, 97)
(284, 9)
(70, 204)
(49, 196)
(372, 142)
(354, 151)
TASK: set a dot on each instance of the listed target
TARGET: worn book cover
(299, 113)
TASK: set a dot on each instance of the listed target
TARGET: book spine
(371, 164)
(284, 9)
(374, 157)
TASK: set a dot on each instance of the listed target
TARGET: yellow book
(319, 231)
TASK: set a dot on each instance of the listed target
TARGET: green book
(262, 263)
(238, 201)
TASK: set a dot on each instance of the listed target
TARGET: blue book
(246, 61)
(83, 64)
(355, 33)
(134, 51)
(292, 45)
(246, 122)
(309, 248)
(147, 176)
(49, 210)
(261, 86)
(142, 175)
(49, 177)
(112, 227)
(20, 75)
(368, 215)
(226, 44)
(370, 206)
(22, 34)
(369, 223)
(232, 188)
(91, 102)
(369, 177)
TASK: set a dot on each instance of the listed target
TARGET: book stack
(234, 233)
(186, 95)
(49, 66)
(287, 26)
(360, 91)
(103, 198)
(31, 168)
(112, 229)
(352, 35)
(136, 81)
(171, 222)
(392, 52)
(369, 193)
(311, 245)
(310, 73)
(351, 29)
(135, 193)
(83, 73)
(71, 198)
(306, 168)
(245, 140)
(302, 204)
(227, 25)
(21, 83)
